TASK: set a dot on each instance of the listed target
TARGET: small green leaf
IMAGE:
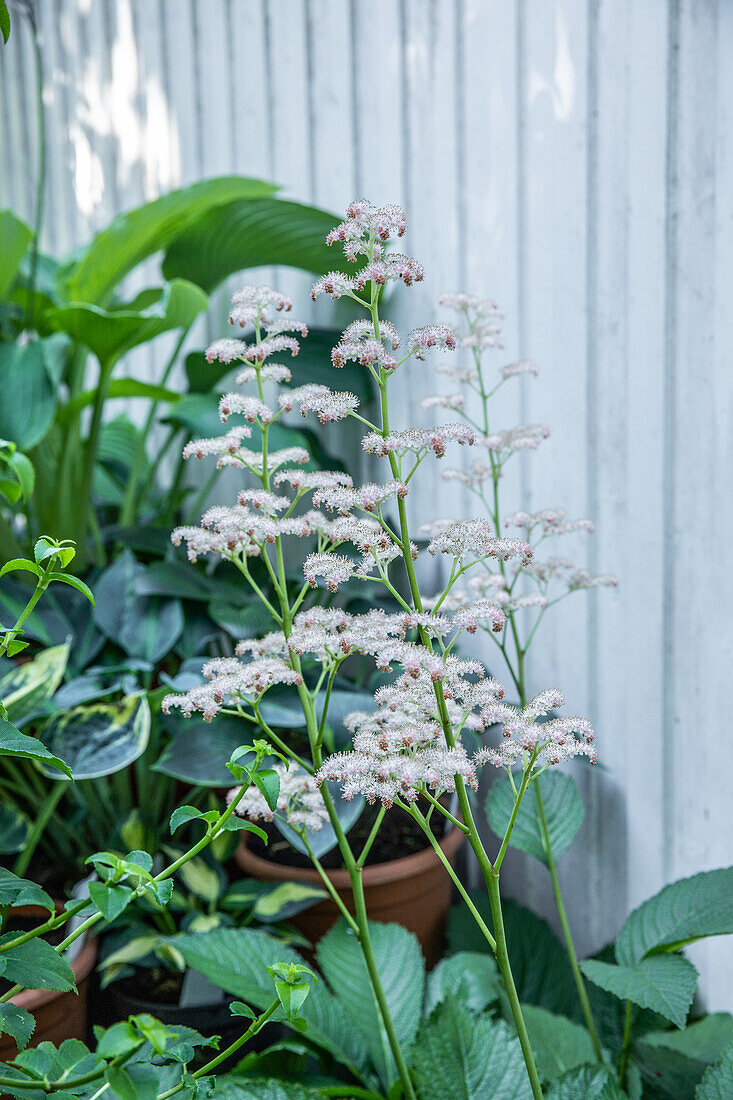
(17, 564)
(15, 743)
(79, 585)
(285, 900)
(183, 814)
(4, 21)
(16, 1022)
(110, 900)
(239, 1008)
(663, 983)
(563, 810)
(292, 996)
(21, 891)
(267, 782)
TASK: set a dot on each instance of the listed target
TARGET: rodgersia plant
(409, 750)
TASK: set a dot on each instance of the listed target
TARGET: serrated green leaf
(587, 1083)
(681, 913)
(559, 1044)
(21, 891)
(18, 1023)
(717, 1082)
(675, 1061)
(183, 814)
(471, 977)
(35, 965)
(99, 739)
(15, 743)
(460, 1056)
(110, 900)
(563, 811)
(664, 983)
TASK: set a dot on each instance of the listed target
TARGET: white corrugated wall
(571, 158)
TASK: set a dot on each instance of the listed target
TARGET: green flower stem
(65, 1083)
(624, 1055)
(254, 1027)
(50, 803)
(572, 955)
(502, 958)
(371, 838)
(515, 810)
(446, 813)
(328, 884)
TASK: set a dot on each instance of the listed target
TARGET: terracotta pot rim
(33, 999)
(377, 875)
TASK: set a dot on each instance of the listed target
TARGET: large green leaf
(247, 234)
(99, 738)
(675, 1061)
(587, 1083)
(682, 912)
(15, 827)
(28, 391)
(233, 1087)
(472, 978)
(15, 743)
(199, 751)
(563, 808)
(717, 1084)
(112, 333)
(541, 968)
(24, 689)
(402, 970)
(119, 387)
(558, 1043)
(460, 1056)
(35, 965)
(663, 983)
(142, 232)
(144, 626)
(15, 237)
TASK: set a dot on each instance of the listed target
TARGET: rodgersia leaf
(471, 977)
(663, 983)
(559, 1045)
(717, 1083)
(587, 1083)
(682, 912)
(675, 1061)
(563, 808)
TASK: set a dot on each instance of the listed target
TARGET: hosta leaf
(682, 912)
(198, 751)
(587, 1083)
(35, 965)
(15, 236)
(24, 689)
(14, 743)
(118, 387)
(663, 983)
(248, 234)
(563, 811)
(100, 738)
(717, 1082)
(18, 1023)
(21, 891)
(472, 978)
(323, 840)
(144, 626)
(29, 391)
(109, 334)
(460, 1056)
(285, 900)
(541, 968)
(402, 970)
(15, 829)
(142, 232)
(559, 1045)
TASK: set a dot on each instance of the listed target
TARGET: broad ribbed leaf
(586, 1083)
(472, 978)
(28, 391)
(663, 983)
(112, 333)
(35, 965)
(232, 1087)
(563, 811)
(99, 738)
(681, 913)
(542, 972)
(402, 970)
(142, 232)
(717, 1083)
(15, 236)
(28, 686)
(559, 1045)
(144, 626)
(248, 234)
(675, 1061)
(459, 1056)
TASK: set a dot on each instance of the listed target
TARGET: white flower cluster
(299, 802)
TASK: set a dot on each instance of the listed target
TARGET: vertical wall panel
(573, 160)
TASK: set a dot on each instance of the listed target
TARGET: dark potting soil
(399, 836)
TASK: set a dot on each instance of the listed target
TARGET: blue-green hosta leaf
(559, 1045)
(35, 965)
(144, 626)
(563, 811)
(675, 1061)
(402, 970)
(682, 912)
(460, 1056)
(587, 1083)
(15, 236)
(717, 1083)
(471, 977)
(15, 828)
(248, 234)
(15, 743)
(663, 983)
(198, 751)
(26, 687)
(16, 1022)
(110, 334)
(21, 891)
(139, 233)
(324, 839)
(99, 738)
(284, 900)
(29, 391)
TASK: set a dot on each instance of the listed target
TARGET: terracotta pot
(58, 1015)
(414, 891)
